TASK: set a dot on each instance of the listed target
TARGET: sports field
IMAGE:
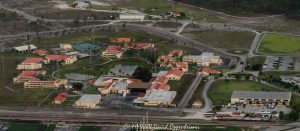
(283, 44)
(221, 91)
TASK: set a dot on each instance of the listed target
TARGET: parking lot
(280, 63)
(297, 64)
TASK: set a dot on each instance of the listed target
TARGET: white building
(132, 16)
(261, 97)
(157, 98)
(205, 59)
(25, 48)
(87, 101)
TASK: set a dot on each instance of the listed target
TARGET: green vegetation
(167, 24)
(273, 43)
(221, 91)
(26, 127)
(143, 73)
(197, 95)
(225, 39)
(239, 7)
(89, 128)
(181, 86)
(255, 63)
(91, 90)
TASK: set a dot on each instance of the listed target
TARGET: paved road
(188, 94)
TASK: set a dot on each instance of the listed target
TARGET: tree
(247, 77)
(77, 86)
(143, 73)
(238, 76)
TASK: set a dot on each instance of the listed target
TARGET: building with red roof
(41, 52)
(60, 98)
(122, 40)
(208, 71)
(31, 63)
(29, 75)
(113, 51)
(65, 59)
(182, 66)
(160, 86)
(174, 74)
(139, 46)
(175, 53)
(165, 61)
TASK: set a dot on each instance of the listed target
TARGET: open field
(167, 24)
(197, 95)
(224, 39)
(256, 60)
(221, 91)
(181, 86)
(30, 127)
(273, 43)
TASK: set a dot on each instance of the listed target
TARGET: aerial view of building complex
(135, 65)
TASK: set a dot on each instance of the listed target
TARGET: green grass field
(273, 43)
(221, 91)
(224, 39)
(256, 60)
(30, 127)
(181, 86)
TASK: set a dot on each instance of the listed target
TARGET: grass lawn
(26, 127)
(89, 128)
(91, 90)
(224, 39)
(167, 24)
(197, 95)
(256, 60)
(273, 43)
(181, 86)
(221, 91)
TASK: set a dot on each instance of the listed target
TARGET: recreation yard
(280, 44)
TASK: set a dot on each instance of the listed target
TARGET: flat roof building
(159, 97)
(132, 16)
(25, 48)
(87, 101)
(261, 97)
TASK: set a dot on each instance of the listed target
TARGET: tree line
(289, 7)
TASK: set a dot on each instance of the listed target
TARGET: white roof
(89, 98)
(159, 95)
(132, 14)
(120, 85)
(160, 73)
(261, 95)
(25, 47)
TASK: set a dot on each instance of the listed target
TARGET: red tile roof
(32, 74)
(161, 86)
(41, 52)
(140, 45)
(162, 80)
(32, 60)
(61, 96)
(108, 86)
(181, 65)
(121, 40)
(139, 85)
(175, 72)
(114, 48)
(57, 57)
(175, 53)
(141, 94)
(209, 70)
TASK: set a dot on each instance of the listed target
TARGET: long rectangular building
(261, 97)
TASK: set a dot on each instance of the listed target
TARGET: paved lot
(268, 65)
(284, 63)
(297, 64)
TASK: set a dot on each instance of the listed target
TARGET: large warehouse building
(261, 97)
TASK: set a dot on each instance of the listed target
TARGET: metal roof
(261, 95)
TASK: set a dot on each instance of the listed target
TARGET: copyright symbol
(126, 126)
